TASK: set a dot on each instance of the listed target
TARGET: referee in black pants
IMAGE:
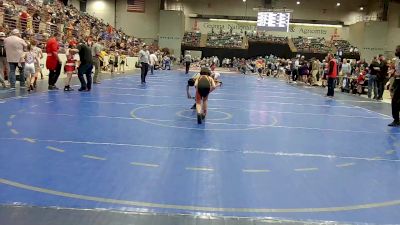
(85, 66)
(396, 92)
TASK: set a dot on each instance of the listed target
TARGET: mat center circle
(224, 115)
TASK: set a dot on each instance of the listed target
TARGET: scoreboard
(273, 21)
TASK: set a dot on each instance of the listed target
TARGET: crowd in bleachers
(320, 45)
(345, 46)
(311, 45)
(191, 39)
(263, 37)
(31, 28)
(302, 44)
(224, 40)
(38, 21)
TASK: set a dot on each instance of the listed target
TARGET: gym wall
(393, 38)
(143, 25)
(348, 12)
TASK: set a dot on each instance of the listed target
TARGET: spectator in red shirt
(53, 62)
(332, 75)
(24, 19)
(109, 29)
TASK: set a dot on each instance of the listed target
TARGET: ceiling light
(361, 8)
(338, 4)
(298, 2)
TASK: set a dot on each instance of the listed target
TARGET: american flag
(136, 6)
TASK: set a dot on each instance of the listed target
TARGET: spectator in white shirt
(144, 57)
(345, 72)
(153, 62)
(14, 46)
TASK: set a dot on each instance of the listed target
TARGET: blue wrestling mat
(267, 149)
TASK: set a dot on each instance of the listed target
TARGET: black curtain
(262, 49)
(259, 49)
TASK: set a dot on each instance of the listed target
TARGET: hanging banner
(207, 26)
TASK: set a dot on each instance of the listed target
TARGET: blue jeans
(152, 69)
(372, 85)
(12, 76)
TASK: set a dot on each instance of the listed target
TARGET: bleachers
(263, 37)
(37, 20)
(224, 40)
(344, 46)
(311, 45)
(191, 39)
(298, 44)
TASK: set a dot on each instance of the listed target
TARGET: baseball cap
(15, 31)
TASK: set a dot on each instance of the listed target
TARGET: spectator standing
(39, 54)
(153, 62)
(53, 62)
(111, 60)
(295, 69)
(332, 75)
(14, 46)
(144, 59)
(382, 76)
(23, 18)
(314, 71)
(116, 61)
(3, 60)
(374, 70)
(396, 91)
(85, 66)
(122, 63)
(96, 51)
(187, 59)
(346, 70)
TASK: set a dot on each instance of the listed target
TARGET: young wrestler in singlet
(30, 60)
(204, 86)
